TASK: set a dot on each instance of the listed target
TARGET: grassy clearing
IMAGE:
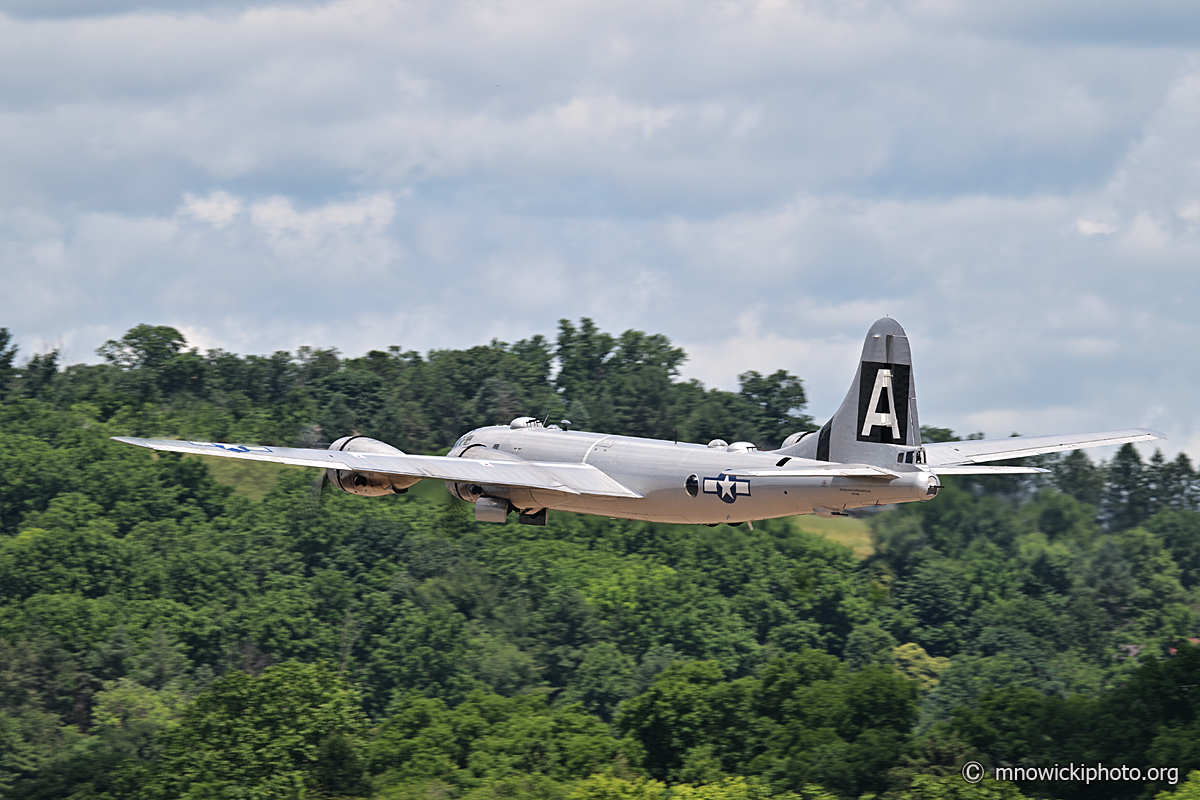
(429, 490)
(253, 479)
(850, 531)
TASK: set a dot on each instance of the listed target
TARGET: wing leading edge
(578, 479)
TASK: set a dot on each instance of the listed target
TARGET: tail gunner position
(869, 453)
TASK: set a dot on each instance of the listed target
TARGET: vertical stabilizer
(879, 415)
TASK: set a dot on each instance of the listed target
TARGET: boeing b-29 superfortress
(869, 453)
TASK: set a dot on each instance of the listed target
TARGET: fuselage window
(692, 486)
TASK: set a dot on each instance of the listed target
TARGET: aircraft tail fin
(878, 419)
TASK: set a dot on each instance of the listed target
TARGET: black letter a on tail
(883, 402)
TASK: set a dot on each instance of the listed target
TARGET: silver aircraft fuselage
(679, 482)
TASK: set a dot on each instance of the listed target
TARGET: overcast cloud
(1017, 183)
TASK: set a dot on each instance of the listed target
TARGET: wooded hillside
(171, 627)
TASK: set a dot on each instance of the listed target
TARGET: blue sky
(1017, 183)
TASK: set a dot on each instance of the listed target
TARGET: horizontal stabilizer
(974, 451)
(817, 471)
(974, 469)
(566, 478)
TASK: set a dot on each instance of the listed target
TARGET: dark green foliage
(931, 434)
(1175, 484)
(38, 376)
(841, 730)
(143, 347)
(488, 738)
(1152, 720)
(775, 398)
(1180, 534)
(870, 644)
(162, 635)
(295, 725)
(690, 709)
(8, 352)
(953, 787)
(1035, 593)
(1134, 490)
(1126, 501)
(621, 384)
(807, 720)
(605, 676)
(1077, 476)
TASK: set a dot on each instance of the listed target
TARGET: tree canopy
(185, 627)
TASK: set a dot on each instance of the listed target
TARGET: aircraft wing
(940, 455)
(567, 478)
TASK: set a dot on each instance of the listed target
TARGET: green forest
(184, 627)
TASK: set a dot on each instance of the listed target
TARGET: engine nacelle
(368, 484)
(471, 492)
(526, 501)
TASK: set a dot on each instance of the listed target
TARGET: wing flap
(566, 478)
(586, 479)
(974, 451)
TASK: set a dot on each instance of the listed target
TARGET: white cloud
(1090, 227)
(292, 233)
(218, 209)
